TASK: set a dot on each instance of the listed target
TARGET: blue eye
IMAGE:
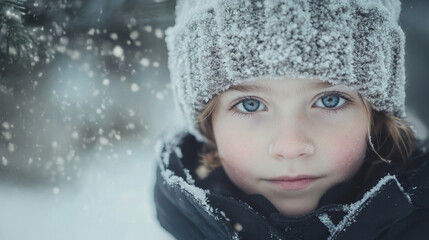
(250, 105)
(330, 101)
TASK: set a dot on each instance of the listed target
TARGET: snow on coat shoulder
(353, 209)
(168, 147)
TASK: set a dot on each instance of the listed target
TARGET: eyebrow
(266, 89)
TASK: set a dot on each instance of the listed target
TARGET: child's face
(290, 140)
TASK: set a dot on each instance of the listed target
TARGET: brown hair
(390, 139)
(209, 155)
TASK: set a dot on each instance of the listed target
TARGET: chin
(295, 212)
(298, 209)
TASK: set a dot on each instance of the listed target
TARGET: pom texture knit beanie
(215, 44)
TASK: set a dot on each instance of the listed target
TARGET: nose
(291, 142)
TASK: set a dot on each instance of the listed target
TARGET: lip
(293, 183)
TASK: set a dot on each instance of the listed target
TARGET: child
(296, 124)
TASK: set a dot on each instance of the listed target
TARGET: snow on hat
(219, 43)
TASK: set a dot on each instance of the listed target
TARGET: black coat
(388, 206)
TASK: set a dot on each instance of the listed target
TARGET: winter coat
(389, 206)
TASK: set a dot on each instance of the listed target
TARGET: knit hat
(219, 43)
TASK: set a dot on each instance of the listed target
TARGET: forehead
(266, 87)
(286, 85)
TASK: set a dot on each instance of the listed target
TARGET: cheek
(235, 151)
(235, 157)
(347, 153)
(239, 168)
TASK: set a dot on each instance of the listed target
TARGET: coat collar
(387, 198)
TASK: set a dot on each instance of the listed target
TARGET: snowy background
(84, 93)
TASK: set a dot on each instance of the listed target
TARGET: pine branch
(17, 4)
(16, 42)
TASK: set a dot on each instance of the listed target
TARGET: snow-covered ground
(113, 199)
